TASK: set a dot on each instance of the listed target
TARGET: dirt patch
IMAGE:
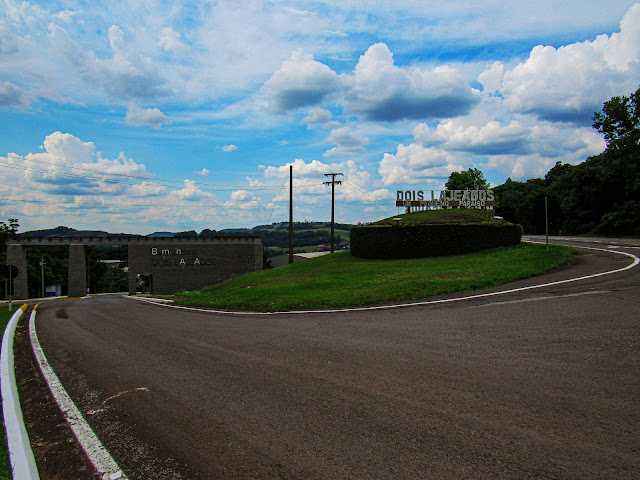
(57, 452)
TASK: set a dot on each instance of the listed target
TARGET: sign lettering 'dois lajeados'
(480, 199)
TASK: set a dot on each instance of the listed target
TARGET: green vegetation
(472, 179)
(5, 465)
(301, 238)
(598, 196)
(465, 216)
(431, 233)
(340, 280)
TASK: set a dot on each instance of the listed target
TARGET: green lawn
(340, 280)
(5, 466)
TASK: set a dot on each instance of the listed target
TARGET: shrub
(416, 241)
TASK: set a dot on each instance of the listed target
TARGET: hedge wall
(415, 241)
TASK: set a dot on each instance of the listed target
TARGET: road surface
(541, 383)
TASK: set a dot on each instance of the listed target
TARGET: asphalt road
(541, 383)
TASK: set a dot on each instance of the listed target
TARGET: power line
(275, 203)
(364, 189)
(106, 175)
(362, 192)
(107, 204)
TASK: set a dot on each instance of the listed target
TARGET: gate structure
(174, 263)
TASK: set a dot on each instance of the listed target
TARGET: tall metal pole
(290, 213)
(42, 274)
(10, 287)
(546, 220)
(333, 183)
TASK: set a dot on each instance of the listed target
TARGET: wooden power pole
(333, 183)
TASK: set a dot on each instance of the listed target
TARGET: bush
(416, 241)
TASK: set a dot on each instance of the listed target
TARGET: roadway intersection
(538, 383)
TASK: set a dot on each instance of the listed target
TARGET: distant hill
(72, 232)
(64, 232)
(273, 235)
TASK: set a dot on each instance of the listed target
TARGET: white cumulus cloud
(319, 117)
(347, 142)
(300, 82)
(569, 83)
(417, 164)
(383, 91)
(13, 96)
(151, 117)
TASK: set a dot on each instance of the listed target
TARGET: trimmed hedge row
(416, 241)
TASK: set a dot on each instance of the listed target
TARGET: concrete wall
(17, 256)
(77, 271)
(180, 266)
(174, 263)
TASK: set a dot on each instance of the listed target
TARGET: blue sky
(152, 116)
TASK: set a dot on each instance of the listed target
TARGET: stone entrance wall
(179, 266)
(175, 263)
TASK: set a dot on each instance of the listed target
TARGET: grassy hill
(341, 280)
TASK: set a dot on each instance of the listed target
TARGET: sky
(144, 116)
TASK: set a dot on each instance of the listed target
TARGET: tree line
(599, 196)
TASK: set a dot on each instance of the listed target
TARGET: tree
(619, 121)
(9, 230)
(472, 179)
(598, 196)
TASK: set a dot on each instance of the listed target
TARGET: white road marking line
(635, 262)
(539, 299)
(99, 456)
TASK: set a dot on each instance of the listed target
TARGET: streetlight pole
(290, 214)
(42, 264)
(546, 221)
(10, 285)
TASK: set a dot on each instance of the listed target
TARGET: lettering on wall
(168, 257)
(479, 199)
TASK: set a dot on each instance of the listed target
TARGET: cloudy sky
(142, 116)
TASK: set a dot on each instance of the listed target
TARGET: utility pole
(42, 274)
(290, 213)
(10, 286)
(546, 220)
(333, 183)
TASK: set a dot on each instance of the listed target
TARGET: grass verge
(5, 465)
(340, 280)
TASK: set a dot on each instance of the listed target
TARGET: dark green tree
(8, 230)
(619, 122)
(600, 195)
(472, 179)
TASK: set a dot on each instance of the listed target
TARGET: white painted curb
(23, 464)
(97, 453)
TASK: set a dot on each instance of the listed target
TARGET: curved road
(539, 383)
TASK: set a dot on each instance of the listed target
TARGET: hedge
(415, 241)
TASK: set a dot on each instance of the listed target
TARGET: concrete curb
(23, 464)
(97, 453)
